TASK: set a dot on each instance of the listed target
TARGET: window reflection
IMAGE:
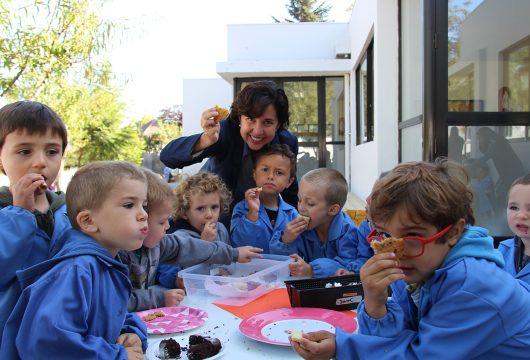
(488, 66)
(493, 161)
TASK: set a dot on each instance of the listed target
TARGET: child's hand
(210, 231)
(247, 253)
(293, 229)
(342, 272)
(316, 345)
(376, 275)
(129, 340)
(253, 203)
(134, 353)
(25, 189)
(299, 267)
(173, 297)
(179, 283)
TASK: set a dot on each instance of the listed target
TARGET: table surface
(225, 326)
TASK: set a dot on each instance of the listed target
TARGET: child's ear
(334, 209)
(86, 222)
(290, 182)
(456, 232)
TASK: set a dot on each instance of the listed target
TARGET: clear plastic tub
(238, 283)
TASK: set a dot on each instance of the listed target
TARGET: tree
(306, 11)
(41, 41)
(168, 127)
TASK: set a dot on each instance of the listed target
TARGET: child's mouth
(523, 228)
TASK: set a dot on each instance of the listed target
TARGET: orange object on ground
(276, 299)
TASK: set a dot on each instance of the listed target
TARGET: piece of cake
(306, 218)
(388, 245)
(202, 347)
(222, 113)
(168, 349)
(296, 335)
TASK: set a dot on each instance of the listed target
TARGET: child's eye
(513, 207)
(128, 205)
(24, 152)
(201, 208)
(215, 207)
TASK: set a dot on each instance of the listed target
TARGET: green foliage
(167, 126)
(307, 11)
(41, 41)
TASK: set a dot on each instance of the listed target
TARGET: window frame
(367, 56)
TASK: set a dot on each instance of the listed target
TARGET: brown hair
(277, 149)
(523, 180)
(436, 193)
(254, 99)
(91, 184)
(158, 191)
(201, 183)
(33, 117)
(332, 182)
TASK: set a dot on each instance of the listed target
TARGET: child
(200, 199)
(458, 304)
(328, 240)
(159, 247)
(32, 142)
(516, 251)
(75, 304)
(263, 212)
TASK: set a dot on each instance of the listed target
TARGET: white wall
(380, 20)
(199, 95)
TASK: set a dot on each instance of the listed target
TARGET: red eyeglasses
(414, 246)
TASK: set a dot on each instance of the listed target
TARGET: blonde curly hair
(201, 183)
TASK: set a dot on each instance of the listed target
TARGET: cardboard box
(335, 293)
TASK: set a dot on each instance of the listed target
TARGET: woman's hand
(211, 128)
(376, 275)
(318, 345)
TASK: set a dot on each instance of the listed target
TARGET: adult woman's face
(258, 132)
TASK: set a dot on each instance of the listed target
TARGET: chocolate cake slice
(168, 349)
(202, 347)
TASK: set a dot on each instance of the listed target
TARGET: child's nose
(142, 215)
(39, 160)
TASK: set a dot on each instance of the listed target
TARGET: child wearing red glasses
(451, 297)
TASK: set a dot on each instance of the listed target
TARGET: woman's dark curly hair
(254, 99)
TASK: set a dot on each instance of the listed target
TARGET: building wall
(377, 20)
(199, 95)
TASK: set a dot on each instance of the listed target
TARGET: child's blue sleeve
(166, 275)
(244, 232)
(364, 251)
(278, 247)
(133, 324)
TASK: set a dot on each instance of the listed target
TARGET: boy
(159, 247)
(324, 239)
(516, 251)
(451, 298)
(263, 211)
(75, 304)
(32, 142)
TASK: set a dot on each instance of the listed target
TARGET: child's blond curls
(200, 183)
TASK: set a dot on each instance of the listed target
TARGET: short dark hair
(33, 117)
(254, 99)
(277, 149)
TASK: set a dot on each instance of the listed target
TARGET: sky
(166, 41)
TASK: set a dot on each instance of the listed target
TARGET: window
(364, 76)
(480, 90)
(317, 118)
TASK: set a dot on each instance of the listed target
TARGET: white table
(225, 326)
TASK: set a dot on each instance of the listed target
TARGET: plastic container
(326, 292)
(238, 283)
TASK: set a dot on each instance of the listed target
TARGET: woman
(259, 116)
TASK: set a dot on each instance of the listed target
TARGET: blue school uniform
(339, 249)
(23, 243)
(364, 251)
(72, 306)
(260, 232)
(229, 157)
(470, 308)
(507, 249)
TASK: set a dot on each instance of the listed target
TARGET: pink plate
(176, 319)
(273, 326)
